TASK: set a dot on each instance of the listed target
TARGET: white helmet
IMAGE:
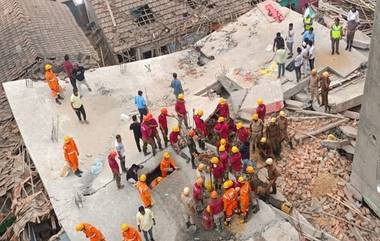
(269, 161)
(186, 191)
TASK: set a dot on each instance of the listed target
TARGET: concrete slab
(349, 131)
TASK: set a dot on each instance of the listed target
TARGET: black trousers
(142, 113)
(298, 73)
(81, 112)
(311, 62)
(73, 82)
(137, 140)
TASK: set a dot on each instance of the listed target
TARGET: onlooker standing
(141, 105)
(78, 74)
(119, 146)
(309, 35)
(290, 40)
(336, 34)
(305, 55)
(352, 24)
(311, 54)
(76, 104)
(145, 222)
(280, 60)
(115, 168)
(298, 61)
(176, 85)
(68, 67)
(278, 42)
(136, 128)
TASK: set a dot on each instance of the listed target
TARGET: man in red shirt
(221, 128)
(261, 109)
(115, 168)
(242, 134)
(235, 161)
(152, 123)
(147, 137)
(222, 109)
(68, 67)
(180, 108)
(174, 138)
(201, 128)
(163, 122)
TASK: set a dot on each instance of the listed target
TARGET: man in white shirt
(145, 222)
(305, 55)
(352, 24)
(298, 61)
(290, 40)
(119, 146)
(76, 104)
(311, 54)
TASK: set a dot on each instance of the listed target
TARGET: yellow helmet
(199, 112)
(223, 141)
(181, 96)
(313, 72)
(166, 155)
(79, 227)
(241, 179)
(282, 113)
(260, 101)
(142, 178)
(239, 125)
(250, 169)
(263, 140)
(255, 117)
(227, 184)
(214, 160)
(175, 129)
(235, 149)
(124, 227)
(222, 148)
(326, 74)
(222, 101)
(331, 137)
(220, 119)
(273, 120)
(66, 139)
(48, 67)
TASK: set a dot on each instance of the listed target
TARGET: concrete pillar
(366, 167)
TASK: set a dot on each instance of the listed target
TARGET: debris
(294, 104)
(337, 144)
(349, 131)
(352, 115)
(323, 129)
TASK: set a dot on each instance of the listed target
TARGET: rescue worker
(264, 149)
(217, 169)
(192, 147)
(200, 172)
(273, 135)
(188, 206)
(155, 182)
(54, 86)
(325, 85)
(71, 154)
(198, 193)
(174, 139)
(163, 123)
(235, 161)
(207, 221)
(115, 168)
(144, 191)
(245, 198)
(273, 174)
(223, 142)
(261, 109)
(230, 202)
(216, 207)
(242, 134)
(336, 34)
(129, 233)
(257, 127)
(92, 233)
(252, 179)
(223, 156)
(181, 111)
(221, 128)
(314, 85)
(200, 128)
(283, 125)
(167, 165)
(222, 109)
(307, 23)
(147, 137)
(152, 123)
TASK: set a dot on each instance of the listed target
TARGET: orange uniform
(245, 200)
(52, 80)
(71, 154)
(144, 192)
(154, 183)
(131, 235)
(166, 163)
(230, 202)
(92, 233)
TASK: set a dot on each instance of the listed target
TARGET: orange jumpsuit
(166, 163)
(71, 154)
(154, 183)
(131, 235)
(230, 202)
(144, 192)
(92, 233)
(245, 200)
(52, 80)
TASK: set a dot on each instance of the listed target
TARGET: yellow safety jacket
(307, 23)
(336, 31)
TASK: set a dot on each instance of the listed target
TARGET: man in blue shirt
(176, 85)
(309, 35)
(141, 105)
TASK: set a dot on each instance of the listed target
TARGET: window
(143, 15)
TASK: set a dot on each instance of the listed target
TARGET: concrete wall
(366, 167)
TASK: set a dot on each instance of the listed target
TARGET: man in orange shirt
(167, 165)
(129, 233)
(144, 191)
(245, 200)
(54, 86)
(92, 233)
(230, 202)
(71, 153)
